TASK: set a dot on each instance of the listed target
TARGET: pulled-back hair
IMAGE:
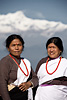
(12, 37)
(57, 41)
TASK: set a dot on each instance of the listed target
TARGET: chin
(52, 57)
(17, 56)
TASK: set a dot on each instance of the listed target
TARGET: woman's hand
(24, 86)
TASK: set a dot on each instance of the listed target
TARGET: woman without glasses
(52, 73)
(16, 73)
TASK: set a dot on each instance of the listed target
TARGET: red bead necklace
(55, 69)
(20, 67)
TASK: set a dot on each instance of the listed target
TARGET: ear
(8, 49)
(60, 52)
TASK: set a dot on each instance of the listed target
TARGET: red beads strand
(55, 69)
(20, 67)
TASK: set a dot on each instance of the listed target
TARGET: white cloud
(52, 28)
(31, 29)
(18, 22)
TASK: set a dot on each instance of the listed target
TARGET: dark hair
(12, 37)
(57, 41)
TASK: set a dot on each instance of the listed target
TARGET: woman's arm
(3, 80)
(34, 78)
(32, 81)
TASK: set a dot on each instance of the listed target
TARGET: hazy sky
(52, 10)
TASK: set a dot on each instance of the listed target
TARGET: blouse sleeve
(43, 60)
(4, 73)
(34, 78)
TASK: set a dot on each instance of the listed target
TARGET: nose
(16, 47)
(51, 49)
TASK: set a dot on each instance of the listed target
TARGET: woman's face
(53, 51)
(15, 47)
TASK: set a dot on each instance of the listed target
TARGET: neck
(17, 57)
(53, 58)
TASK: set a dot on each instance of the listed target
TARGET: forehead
(52, 44)
(15, 41)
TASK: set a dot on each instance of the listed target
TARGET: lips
(51, 53)
(16, 51)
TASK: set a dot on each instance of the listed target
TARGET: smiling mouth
(16, 51)
(52, 53)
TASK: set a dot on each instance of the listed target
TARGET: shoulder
(5, 63)
(6, 58)
(43, 60)
(64, 60)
